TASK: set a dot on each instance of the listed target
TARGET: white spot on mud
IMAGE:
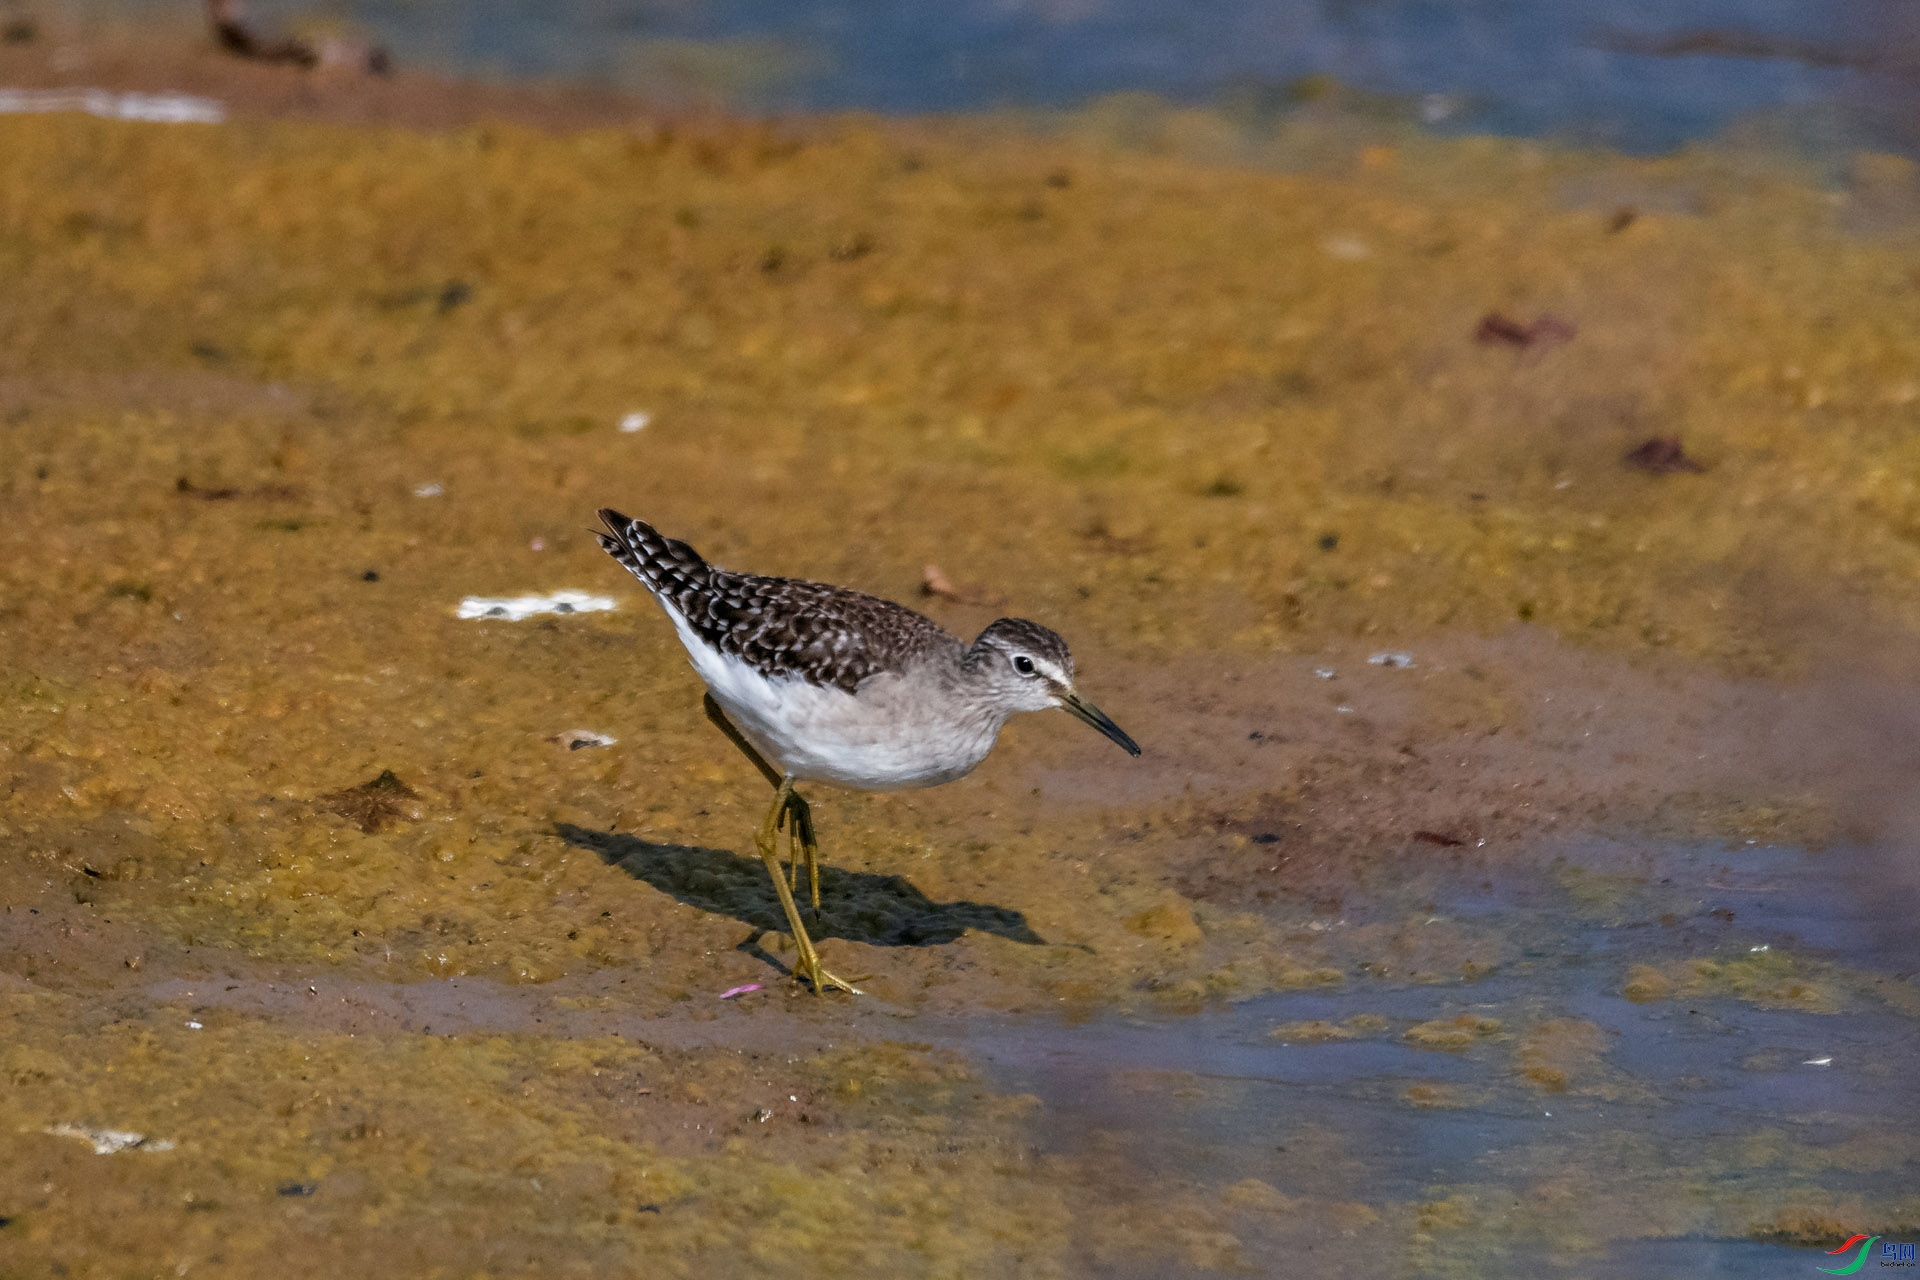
(107, 1142)
(154, 108)
(515, 608)
(577, 739)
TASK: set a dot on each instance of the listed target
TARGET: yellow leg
(793, 848)
(802, 844)
(807, 962)
(790, 812)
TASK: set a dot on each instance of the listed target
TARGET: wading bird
(816, 683)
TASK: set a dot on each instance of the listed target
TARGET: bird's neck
(973, 661)
(969, 680)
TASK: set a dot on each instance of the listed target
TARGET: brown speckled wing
(781, 627)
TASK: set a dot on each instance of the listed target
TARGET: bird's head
(1027, 668)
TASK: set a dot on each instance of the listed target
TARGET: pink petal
(731, 992)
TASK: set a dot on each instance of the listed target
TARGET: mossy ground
(1203, 417)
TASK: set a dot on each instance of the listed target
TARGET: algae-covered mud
(1516, 880)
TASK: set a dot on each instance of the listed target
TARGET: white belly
(881, 739)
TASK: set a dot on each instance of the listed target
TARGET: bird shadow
(884, 911)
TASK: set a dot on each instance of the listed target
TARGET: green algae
(1160, 326)
(1764, 976)
(468, 1155)
(1169, 377)
(1180, 407)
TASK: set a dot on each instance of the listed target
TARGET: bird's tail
(669, 568)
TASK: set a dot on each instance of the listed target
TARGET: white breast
(896, 732)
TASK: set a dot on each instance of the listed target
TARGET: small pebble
(431, 489)
(635, 422)
(1394, 659)
(1546, 331)
(1661, 455)
(934, 582)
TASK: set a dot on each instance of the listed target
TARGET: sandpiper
(817, 683)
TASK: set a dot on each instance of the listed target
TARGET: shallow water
(1567, 1130)
(1532, 67)
(1663, 1093)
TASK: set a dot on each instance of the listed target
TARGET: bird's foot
(806, 963)
(823, 982)
(806, 966)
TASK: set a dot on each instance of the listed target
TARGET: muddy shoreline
(277, 395)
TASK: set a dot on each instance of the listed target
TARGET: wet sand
(276, 395)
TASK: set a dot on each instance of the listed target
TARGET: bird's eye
(1023, 664)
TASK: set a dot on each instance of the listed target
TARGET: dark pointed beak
(1080, 709)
